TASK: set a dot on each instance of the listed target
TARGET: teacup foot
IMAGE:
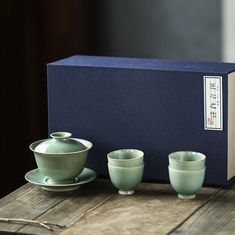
(126, 192)
(182, 196)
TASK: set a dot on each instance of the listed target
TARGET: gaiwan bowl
(61, 158)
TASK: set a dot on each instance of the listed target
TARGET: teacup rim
(125, 149)
(123, 167)
(188, 171)
(187, 151)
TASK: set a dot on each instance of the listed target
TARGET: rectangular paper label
(213, 103)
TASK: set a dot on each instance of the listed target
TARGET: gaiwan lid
(60, 143)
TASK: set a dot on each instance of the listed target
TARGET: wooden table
(97, 208)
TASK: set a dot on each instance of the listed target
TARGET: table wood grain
(217, 216)
(97, 208)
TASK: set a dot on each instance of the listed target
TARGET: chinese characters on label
(213, 104)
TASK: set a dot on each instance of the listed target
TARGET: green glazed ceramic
(126, 179)
(186, 183)
(126, 158)
(61, 142)
(61, 166)
(187, 160)
(37, 178)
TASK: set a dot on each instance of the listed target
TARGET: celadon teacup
(126, 179)
(186, 183)
(187, 160)
(126, 158)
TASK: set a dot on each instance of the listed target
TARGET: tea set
(61, 163)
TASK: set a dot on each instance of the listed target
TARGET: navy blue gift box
(157, 106)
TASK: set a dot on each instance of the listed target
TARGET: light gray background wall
(167, 29)
(228, 30)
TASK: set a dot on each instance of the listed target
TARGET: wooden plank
(27, 202)
(96, 208)
(153, 209)
(76, 203)
(15, 194)
(215, 217)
